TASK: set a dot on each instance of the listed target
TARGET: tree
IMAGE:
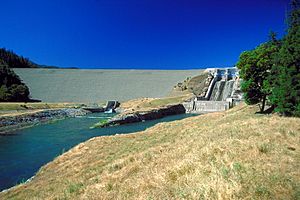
(13, 60)
(11, 86)
(272, 70)
(19, 92)
(285, 78)
(255, 67)
(4, 93)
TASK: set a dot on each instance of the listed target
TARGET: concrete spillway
(222, 90)
(217, 91)
(227, 90)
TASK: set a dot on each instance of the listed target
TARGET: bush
(11, 86)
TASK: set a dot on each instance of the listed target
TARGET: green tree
(19, 92)
(4, 93)
(11, 86)
(255, 67)
(285, 78)
(13, 60)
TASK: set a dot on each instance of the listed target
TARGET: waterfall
(222, 90)
(227, 90)
(217, 91)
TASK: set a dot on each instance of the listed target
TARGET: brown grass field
(146, 104)
(227, 155)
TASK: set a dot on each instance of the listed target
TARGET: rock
(8, 124)
(143, 116)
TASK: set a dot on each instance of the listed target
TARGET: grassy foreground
(227, 155)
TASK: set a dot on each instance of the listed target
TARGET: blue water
(22, 154)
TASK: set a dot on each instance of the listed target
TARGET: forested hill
(12, 89)
(12, 60)
(11, 86)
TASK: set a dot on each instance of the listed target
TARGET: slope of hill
(11, 86)
(196, 85)
(15, 61)
(228, 155)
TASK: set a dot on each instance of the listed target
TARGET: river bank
(231, 155)
(23, 154)
(11, 123)
(135, 110)
(144, 109)
(141, 116)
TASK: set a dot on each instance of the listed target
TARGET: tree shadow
(267, 111)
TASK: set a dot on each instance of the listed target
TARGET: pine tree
(15, 61)
(286, 71)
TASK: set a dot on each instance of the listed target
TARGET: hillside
(196, 85)
(13, 60)
(11, 86)
(227, 155)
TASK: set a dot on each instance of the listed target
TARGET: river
(22, 154)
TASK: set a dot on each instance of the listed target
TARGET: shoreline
(10, 124)
(141, 116)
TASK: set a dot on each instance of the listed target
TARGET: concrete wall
(211, 87)
(224, 74)
(188, 106)
(205, 106)
(225, 92)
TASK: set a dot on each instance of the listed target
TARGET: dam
(222, 93)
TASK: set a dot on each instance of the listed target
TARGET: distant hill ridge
(12, 60)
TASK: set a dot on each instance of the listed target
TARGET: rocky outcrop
(11, 123)
(143, 116)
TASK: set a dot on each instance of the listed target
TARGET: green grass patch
(100, 124)
(75, 188)
(264, 148)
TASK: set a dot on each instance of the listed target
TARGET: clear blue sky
(155, 34)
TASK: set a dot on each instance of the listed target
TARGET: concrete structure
(220, 74)
(111, 105)
(223, 92)
(206, 106)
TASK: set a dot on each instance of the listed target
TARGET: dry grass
(146, 104)
(227, 155)
(156, 103)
